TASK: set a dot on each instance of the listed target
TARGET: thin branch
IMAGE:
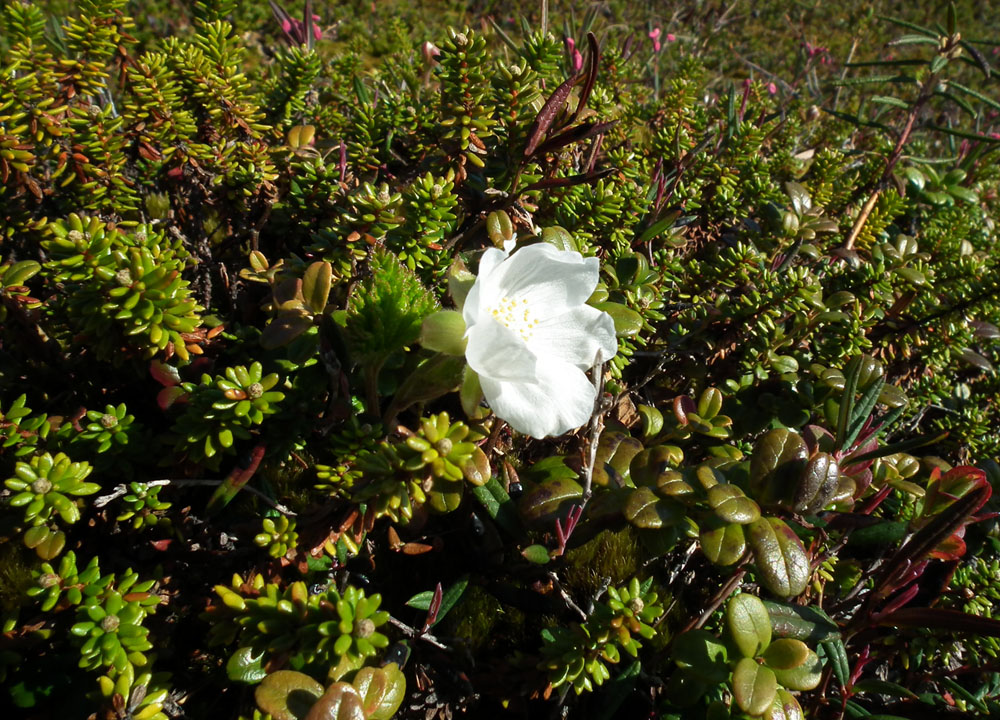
(596, 425)
(181, 482)
(417, 635)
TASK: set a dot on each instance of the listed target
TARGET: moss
(15, 577)
(613, 554)
(481, 620)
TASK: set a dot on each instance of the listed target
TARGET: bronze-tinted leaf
(340, 702)
(646, 510)
(779, 458)
(647, 467)
(382, 690)
(784, 707)
(287, 694)
(550, 500)
(731, 505)
(672, 484)
(817, 485)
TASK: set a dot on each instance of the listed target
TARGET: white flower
(530, 337)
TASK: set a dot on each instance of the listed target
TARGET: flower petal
(488, 263)
(576, 337)
(560, 398)
(551, 280)
(496, 352)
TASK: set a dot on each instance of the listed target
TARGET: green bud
(444, 331)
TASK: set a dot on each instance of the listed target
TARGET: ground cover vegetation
(266, 453)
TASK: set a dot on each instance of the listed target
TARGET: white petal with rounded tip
(551, 280)
(577, 337)
(558, 399)
(495, 351)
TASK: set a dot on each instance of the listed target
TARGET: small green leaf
(316, 286)
(537, 554)
(627, 321)
(444, 331)
(246, 666)
(786, 653)
(723, 545)
(701, 652)
(754, 686)
(748, 624)
(780, 557)
(803, 677)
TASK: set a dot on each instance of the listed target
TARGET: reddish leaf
(547, 115)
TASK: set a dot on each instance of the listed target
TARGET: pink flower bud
(654, 35)
(671, 37)
(430, 51)
(772, 88)
(577, 60)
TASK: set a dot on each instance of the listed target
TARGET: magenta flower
(654, 35)
(295, 29)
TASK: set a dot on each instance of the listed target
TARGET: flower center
(515, 315)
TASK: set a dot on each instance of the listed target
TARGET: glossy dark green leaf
(778, 459)
(710, 403)
(817, 484)
(550, 500)
(700, 652)
(645, 509)
(246, 666)
(731, 505)
(801, 622)
(498, 504)
(723, 545)
(316, 286)
(627, 321)
(781, 559)
(648, 466)
(560, 238)
(882, 687)
(283, 329)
